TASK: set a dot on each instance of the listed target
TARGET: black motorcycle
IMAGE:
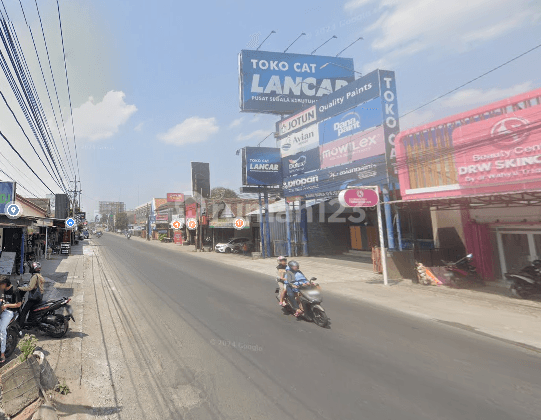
(462, 273)
(310, 299)
(45, 317)
(527, 282)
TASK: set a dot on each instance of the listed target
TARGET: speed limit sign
(239, 223)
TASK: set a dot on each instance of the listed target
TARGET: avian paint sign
(284, 83)
(7, 195)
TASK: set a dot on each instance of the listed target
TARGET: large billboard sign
(352, 128)
(175, 197)
(7, 195)
(283, 83)
(261, 166)
(495, 148)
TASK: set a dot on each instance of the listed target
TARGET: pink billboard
(503, 150)
(349, 149)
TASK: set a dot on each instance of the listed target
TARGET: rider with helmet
(281, 270)
(294, 280)
(35, 296)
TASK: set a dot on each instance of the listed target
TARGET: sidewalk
(488, 311)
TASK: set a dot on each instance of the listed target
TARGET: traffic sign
(70, 223)
(176, 224)
(239, 223)
(192, 224)
(13, 210)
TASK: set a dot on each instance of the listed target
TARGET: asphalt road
(221, 343)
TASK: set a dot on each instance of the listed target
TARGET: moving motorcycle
(310, 300)
(462, 272)
(128, 235)
(527, 282)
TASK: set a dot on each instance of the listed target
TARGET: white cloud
(452, 25)
(191, 130)
(96, 121)
(416, 119)
(236, 123)
(257, 134)
(466, 98)
(139, 126)
(355, 4)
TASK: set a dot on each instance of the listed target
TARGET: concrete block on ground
(256, 255)
(45, 412)
(48, 378)
(20, 385)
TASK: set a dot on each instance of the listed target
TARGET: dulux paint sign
(7, 195)
(301, 162)
(353, 121)
(283, 83)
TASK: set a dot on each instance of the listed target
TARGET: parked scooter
(310, 299)
(462, 273)
(527, 282)
(128, 235)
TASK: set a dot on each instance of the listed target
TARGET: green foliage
(63, 388)
(121, 221)
(27, 345)
(222, 192)
(162, 236)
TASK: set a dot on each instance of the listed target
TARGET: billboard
(301, 162)
(175, 197)
(7, 195)
(62, 204)
(350, 122)
(492, 149)
(329, 182)
(200, 179)
(353, 127)
(284, 83)
(300, 141)
(261, 166)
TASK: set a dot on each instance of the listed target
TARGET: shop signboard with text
(7, 195)
(300, 141)
(175, 197)
(301, 162)
(261, 166)
(299, 120)
(283, 83)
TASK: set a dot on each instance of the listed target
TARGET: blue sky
(155, 84)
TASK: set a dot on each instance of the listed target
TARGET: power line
(68, 85)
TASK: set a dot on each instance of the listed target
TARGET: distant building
(112, 207)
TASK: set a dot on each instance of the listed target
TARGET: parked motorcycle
(527, 282)
(46, 319)
(310, 298)
(13, 335)
(462, 273)
(128, 235)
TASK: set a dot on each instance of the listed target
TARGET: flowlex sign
(280, 83)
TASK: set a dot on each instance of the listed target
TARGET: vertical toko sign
(390, 120)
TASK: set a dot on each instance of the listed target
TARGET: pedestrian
(10, 305)
(245, 249)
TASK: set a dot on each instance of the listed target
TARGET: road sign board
(239, 223)
(70, 222)
(192, 224)
(176, 224)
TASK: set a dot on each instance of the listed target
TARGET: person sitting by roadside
(281, 278)
(294, 280)
(10, 305)
(35, 297)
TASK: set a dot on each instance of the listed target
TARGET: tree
(222, 192)
(121, 221)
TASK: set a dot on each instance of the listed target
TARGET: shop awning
(493, 200)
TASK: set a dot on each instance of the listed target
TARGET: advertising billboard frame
(8, 194)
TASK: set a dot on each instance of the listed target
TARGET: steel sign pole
(382, 242)
(288, 228)
(261, 232)
(267, 225)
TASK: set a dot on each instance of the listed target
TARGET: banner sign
(355, 93)
(300, 141)
(350, 122)
(329, 182)
(358, 197)
(352, 148)
(306, 117)
(162, 217)
(283, 83)
(261, 166)
(7, 195)
(390, 120)
(301, 162)
(175, 197)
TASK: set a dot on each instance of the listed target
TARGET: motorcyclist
(295, 279)
(34, 299)
(282, 268)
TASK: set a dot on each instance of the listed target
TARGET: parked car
(234, 244)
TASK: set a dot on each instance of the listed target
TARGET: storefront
(479, 172)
